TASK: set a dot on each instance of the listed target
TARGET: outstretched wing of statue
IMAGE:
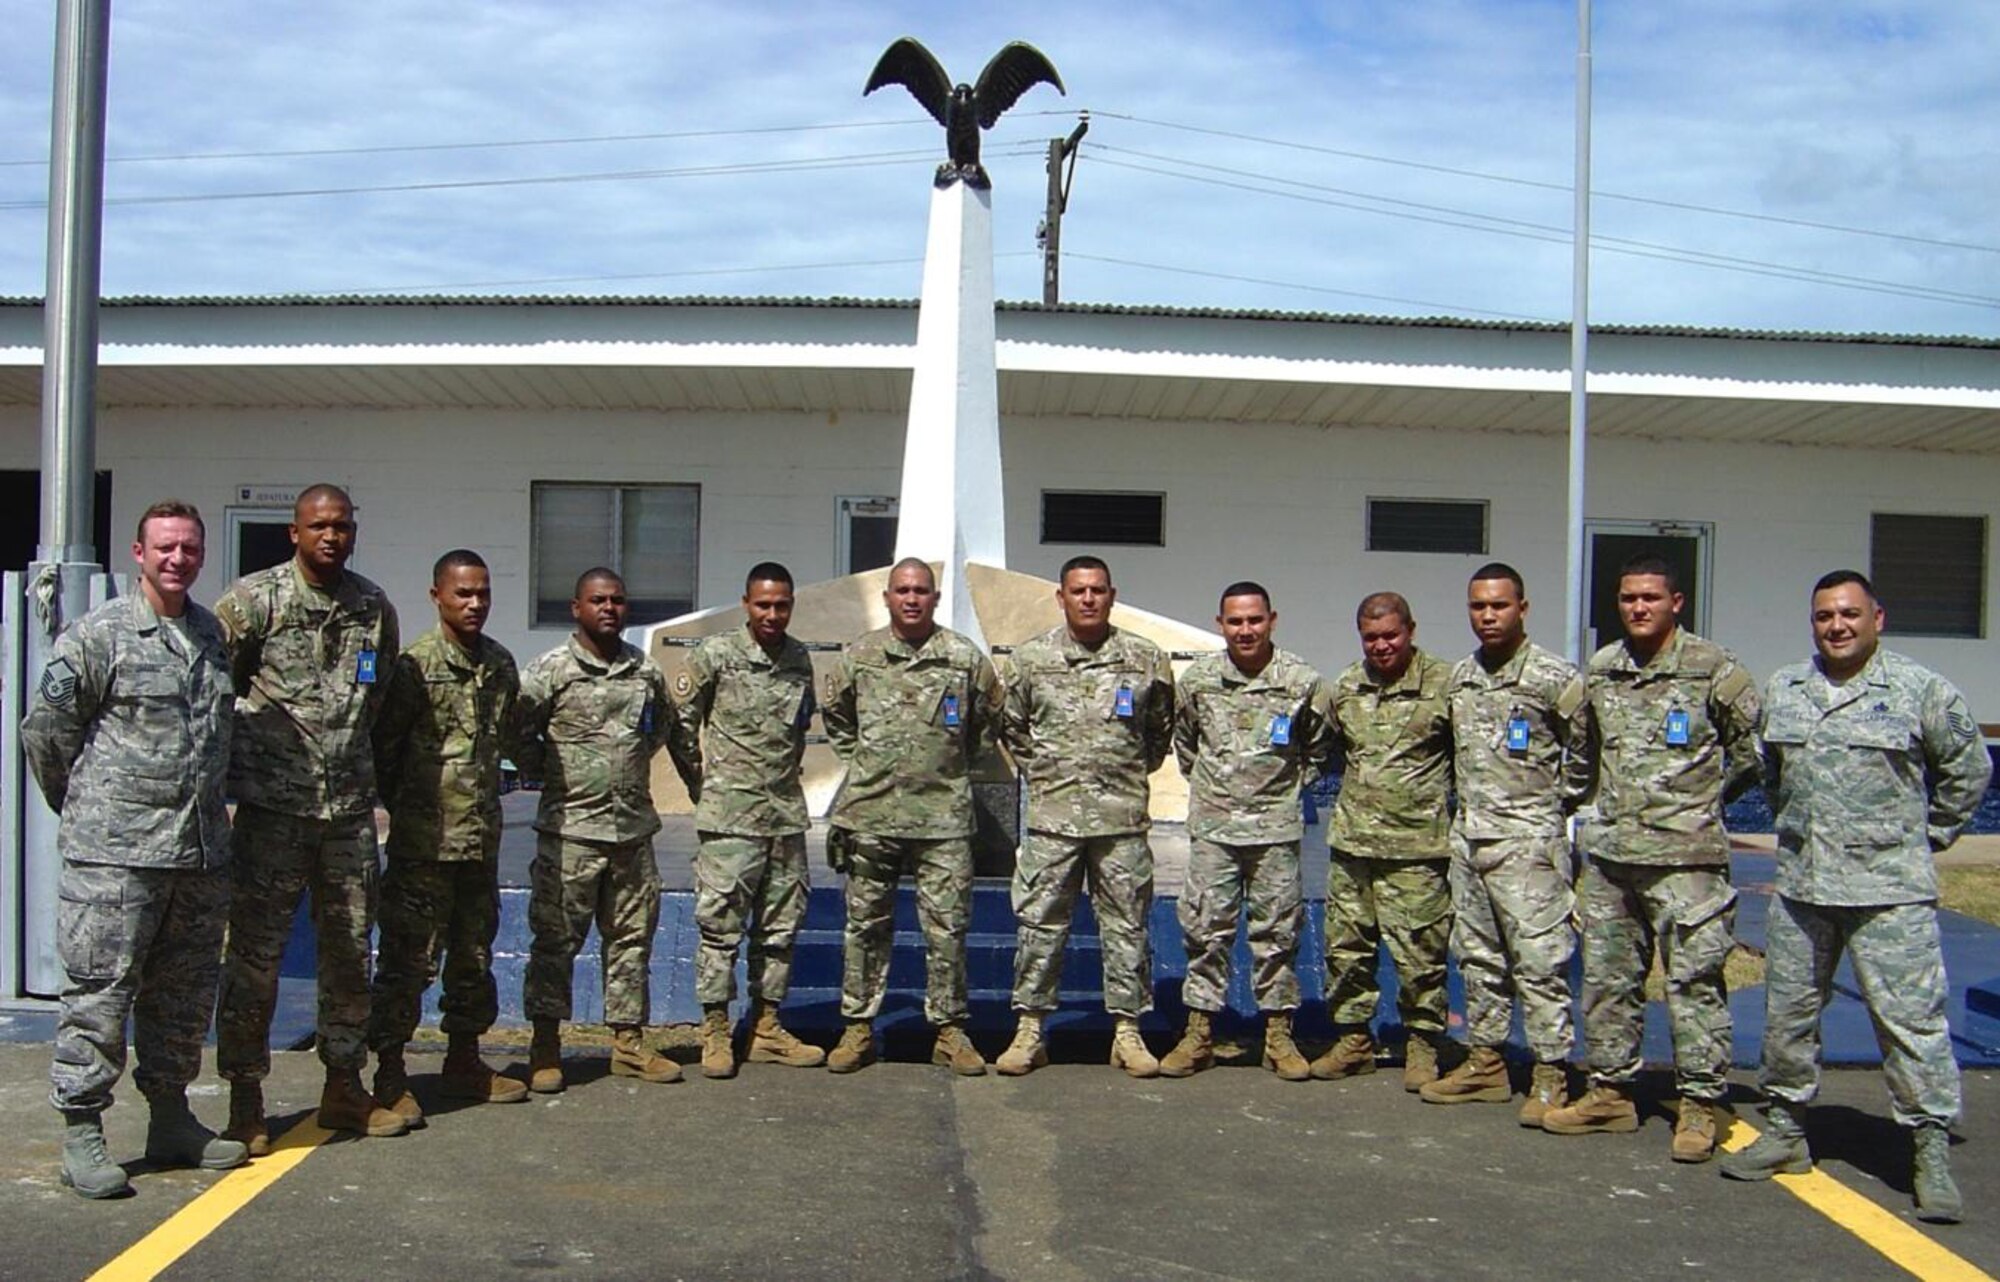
(912, 66)
(1016, 69)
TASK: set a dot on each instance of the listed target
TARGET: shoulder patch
(1571, 698)
(58, 688)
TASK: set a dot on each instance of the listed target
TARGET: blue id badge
(1281, 729)
(1517, 734)
(805, 713)
(951, 712)
(1122, 707)
(364, 668)
(1677, 729)
(646, 718)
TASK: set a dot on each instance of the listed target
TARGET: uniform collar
(1508, 673)
(1410, 682)
(1666, 663)
(145, 618)
(1267, 676)
(1075, 651)
(585, 656)
(897, 648)
(346, 592)
(458, 656)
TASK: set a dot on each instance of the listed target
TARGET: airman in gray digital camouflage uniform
(1090, 711)
(447, 718)
(1389, 863)
(910, 708)
(752, 692)
(1873, 764)
(127, 734)
(1676, 719)
(594, 710)
(311, 645)
(1520, 728)
(1251, 730)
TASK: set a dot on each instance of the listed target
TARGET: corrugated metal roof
(1072, 309)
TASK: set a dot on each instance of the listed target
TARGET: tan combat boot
(1351, 1056)
(1481, 1079)
(392, 1086)
(1695, 1130)
(718, 1048)
(1547, 1090)
(468, 1077)
(1196, 1049)
(856, 1050)
(246, 1118)
(955, 1051)
(545, 1075)
(772, 1043)
(1281, 1053)
(1420, 1063)
(344, 1106)
(1128, 1050)
(631, 1057)
(1026, 1052)
(1605, 1109)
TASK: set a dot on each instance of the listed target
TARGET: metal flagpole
(1579, 345)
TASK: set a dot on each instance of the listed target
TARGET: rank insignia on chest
(1122, 705)
(951, 711)
(1517, 734)
(1281, 729)
(364, 668)
(1677, 728)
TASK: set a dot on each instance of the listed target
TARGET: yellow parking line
(1905, 1246)
(151, 1255)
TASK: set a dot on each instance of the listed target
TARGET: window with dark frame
(1104, 517)
(1929, 573)
(1427, 525)
(649, 534)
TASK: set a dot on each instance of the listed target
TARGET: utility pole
(1050, 234)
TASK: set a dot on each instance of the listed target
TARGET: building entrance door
(1685, 545)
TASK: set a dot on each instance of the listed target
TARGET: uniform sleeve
(1736, 713)
(1956, 760)
(988, 703)
(507, 712)
(840, 715)
(1772, 754)
(1576, 731)
(1322, 733)
(675, 732)
(391, 647)
(531, 721)
(1160, 715)
(1015, 730)
(64, 704)
(701, 697)
(1187, 734)
(246, 620)
(401, 694)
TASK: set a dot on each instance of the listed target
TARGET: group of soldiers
(1494, 810)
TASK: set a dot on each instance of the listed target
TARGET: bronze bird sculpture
(963, 109)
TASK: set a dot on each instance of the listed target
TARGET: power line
(1551, 186)
(1444, 308)
(863, 160)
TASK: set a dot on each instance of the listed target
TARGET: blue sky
(1407, 158)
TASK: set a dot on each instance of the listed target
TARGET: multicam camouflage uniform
(589, 730)
(1247, 745)
(308, 665)
(1678, 738)
(446, 720)
(908, 721)
(1868, 780)
(1087, 727)
(1388, 871)
(1511, 869)
(128, 737)
(750, 872)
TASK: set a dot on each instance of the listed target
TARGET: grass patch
(1974, 891)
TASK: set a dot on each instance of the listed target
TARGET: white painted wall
(1284, 505)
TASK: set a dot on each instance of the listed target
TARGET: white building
(686, 439)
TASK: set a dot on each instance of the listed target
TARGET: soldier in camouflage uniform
(309, 642)
(1251, 729)
(127, 735)
(1873, 764)
(1521, 760)
(910, 708)
(753, 693)
(1090, 711)
(1388, 867)
(1676, 718)
(446, 718)
(593, 712)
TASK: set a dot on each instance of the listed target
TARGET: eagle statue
(963, 109)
